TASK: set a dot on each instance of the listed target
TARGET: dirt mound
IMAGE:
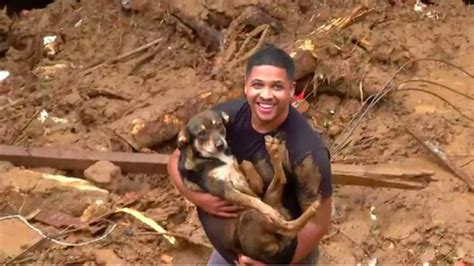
(97, 76)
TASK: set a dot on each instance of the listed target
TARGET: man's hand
(245, 261)
(313, 231)
(214, 205)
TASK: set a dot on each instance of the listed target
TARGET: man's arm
(314, 177)
(176, 178)
(207, 202)
(314, 230)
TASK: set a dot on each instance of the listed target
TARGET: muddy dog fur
(206, 164)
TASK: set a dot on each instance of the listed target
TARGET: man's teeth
(265, 105)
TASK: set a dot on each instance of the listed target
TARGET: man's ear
(183, 137)
(225, 117)
(292, 89)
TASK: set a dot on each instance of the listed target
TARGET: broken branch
(251, 52)
(439, 97)
(443, 160)
(123, 56)
(209, 36)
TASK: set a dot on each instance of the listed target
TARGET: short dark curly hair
(273, 56)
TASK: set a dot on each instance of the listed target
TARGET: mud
(65, 100)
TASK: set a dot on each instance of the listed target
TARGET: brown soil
(431, 225)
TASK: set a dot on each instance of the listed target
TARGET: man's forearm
(175, 177)
(313, 232)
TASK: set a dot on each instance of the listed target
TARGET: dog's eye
(201, 133)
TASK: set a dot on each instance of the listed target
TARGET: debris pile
(93, 93)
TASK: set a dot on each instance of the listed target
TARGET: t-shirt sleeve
(323, 162)
(231, 108)
(311, 163)
(313, 175)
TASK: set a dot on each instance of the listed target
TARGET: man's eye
(257, 85)
(277, 87)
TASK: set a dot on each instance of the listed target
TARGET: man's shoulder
(302, 137)
(231, 106)
(299, 128)
(235, 109)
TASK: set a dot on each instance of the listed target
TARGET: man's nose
(266, 93)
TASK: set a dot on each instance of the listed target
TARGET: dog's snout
(219, 144)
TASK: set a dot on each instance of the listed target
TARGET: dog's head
(205, 133)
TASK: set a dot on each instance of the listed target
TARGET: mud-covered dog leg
(253, 178)
(291, 228)
(282, 226)
(235, 196)
(276, 150)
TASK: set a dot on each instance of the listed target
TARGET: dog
(207, 165)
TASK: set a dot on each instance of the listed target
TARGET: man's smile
(266, 106)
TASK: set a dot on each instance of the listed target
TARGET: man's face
(269, 92)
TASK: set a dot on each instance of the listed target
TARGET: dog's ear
(225, 117)
(183, 137)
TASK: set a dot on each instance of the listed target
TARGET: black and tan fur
(262, 230)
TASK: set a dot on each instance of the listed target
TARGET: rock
(15, 237)
(304, 5)
(72, 99)
(107, 257)
(445, 249)
(48, 170)
(334, 130)
(5, 166)
(428, 256)
(103, 173)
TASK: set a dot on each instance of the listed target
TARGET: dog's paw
(275, 147)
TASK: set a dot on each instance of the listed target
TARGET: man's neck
(267, 127)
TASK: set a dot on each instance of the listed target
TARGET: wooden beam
(81, 160)
(376, 175)
(343, 174)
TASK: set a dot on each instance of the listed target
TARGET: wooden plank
(358, 175)
(388, 176)
(80, 160)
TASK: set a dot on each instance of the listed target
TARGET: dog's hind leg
(291, 228)
(284, 227)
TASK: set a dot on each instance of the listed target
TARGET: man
(269, 89)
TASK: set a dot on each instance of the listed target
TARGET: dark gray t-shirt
(247, 144)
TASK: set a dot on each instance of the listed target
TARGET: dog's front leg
(277, 151)
(254, 180)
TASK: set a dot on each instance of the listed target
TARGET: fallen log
(157, 124)
(209, 36)
(305, 63)
(359, 175)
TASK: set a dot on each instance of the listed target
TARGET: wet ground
(90, 98)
